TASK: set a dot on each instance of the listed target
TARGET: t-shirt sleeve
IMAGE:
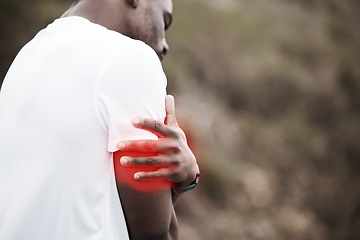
(131, 85)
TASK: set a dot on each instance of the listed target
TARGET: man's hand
(171, 152)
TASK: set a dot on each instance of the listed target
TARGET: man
(79, 97)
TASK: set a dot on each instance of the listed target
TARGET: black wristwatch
(178, 189)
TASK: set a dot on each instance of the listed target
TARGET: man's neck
(108, 13)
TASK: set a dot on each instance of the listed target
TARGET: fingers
(156, 127)
(139, 146)
(158, 161)
(169, 129)
(169, 167)
(161, 173)
(149, 146)
(170, 153)
(166, 173)
(170, 119)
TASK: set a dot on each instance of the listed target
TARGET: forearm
(150, 215)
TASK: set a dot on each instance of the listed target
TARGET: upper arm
(147, 205)
(134, 85)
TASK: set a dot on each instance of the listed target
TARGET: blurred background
(268, 93)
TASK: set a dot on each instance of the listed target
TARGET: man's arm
(174, 159)
(147, 206)
(147, 201)
(132, 84)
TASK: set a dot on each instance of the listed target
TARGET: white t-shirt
(66, 101)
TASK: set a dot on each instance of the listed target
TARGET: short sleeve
(131, 85)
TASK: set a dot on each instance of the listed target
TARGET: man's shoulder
(109, 39)
(95, 43)
(80, 30)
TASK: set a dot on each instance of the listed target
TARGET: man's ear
(133, 3)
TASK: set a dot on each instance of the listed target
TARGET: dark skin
(149, 210)
(173, 155)
(153, 211)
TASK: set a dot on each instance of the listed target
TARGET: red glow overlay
(125, 174)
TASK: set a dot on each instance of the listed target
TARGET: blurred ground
(269, 95)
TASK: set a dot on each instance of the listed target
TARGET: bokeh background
(268, 93)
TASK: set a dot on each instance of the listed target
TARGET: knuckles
(176, 161)
(176, 147)
(157, 125)
(151, 124)
(175, 134)
(151, 161)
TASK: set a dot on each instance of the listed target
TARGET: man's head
(148, 20)
(145, 20)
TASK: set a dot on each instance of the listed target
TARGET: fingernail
(136, 121)
(124, 160)
(121, 145)
(136, 176)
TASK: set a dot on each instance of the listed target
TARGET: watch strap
(178, 189)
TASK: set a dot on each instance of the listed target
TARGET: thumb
(170, 119)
